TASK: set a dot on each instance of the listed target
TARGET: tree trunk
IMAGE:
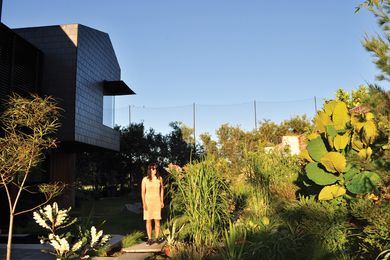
(10, 228)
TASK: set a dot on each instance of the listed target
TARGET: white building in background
(291, 141)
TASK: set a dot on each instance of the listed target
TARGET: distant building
(293, 142)
(76, 65)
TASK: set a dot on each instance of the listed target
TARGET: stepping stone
(143, 248)
(133, 256)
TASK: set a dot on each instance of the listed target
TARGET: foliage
(372, 220)
(200, 193)
(338, 134)
(377, 101)
(271, 133)
(235, 238)
(109, 172)
(28, 126)
(359, 97)
(324, 227)
(272, 240)
(379, 46)
(171, 231)
(65, 245)
(276, 171)
(132, 238)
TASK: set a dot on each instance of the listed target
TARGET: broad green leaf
(305, 155)
(369, 116)
(316, 148)
(330, 141)
(357, 145)
(340, 115)
(312, 136)
(321, 121)
(334, 162)
(349, 174)
(365, 153)
(331, 131)
(357, 121)
(341, 141)
(319, 175)
(364, 182)
(331, 192)
(369, 132)
(329, 107)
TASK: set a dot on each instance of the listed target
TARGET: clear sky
(220, 54)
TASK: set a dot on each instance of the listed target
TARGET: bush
(372, 222)
(325, 227)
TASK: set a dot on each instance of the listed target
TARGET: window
(109, 111)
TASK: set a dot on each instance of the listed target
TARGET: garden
(228, 198)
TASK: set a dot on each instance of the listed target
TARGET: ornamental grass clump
(234, 243)
(66, 245)
(200, 195)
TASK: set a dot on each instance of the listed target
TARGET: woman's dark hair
(152, 165)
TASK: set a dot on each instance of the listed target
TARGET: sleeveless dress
(152, 199)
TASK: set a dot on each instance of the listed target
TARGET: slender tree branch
(7, 191)
(34, 208)
(24, 179)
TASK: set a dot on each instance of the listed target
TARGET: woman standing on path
(152, 193)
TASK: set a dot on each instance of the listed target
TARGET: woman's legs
(156, 228)
(149, 228)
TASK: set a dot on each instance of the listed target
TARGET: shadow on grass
(112, 212)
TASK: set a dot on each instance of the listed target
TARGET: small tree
(27, 126)
(379, 46)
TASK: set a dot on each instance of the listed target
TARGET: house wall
(96, 62)
(77, 61)
(20, 64)
(59, 45)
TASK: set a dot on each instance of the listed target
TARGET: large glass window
(109, 111)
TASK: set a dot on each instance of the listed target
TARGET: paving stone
(143, 248)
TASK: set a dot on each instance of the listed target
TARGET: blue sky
(220, 54)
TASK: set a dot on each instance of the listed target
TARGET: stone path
(33, 251)
(143, 248)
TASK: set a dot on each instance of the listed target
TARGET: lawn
(112, 211)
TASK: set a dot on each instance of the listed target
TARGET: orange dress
(152, 198)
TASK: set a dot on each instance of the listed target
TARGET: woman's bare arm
(161, 192)
(143, 191)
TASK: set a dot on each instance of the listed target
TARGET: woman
(152, 201)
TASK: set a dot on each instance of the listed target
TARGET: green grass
(132, 238)
(112, 211)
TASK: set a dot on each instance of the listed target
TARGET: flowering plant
(65, 245)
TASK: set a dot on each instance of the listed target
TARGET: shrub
(324, 226)
(65, 245)
(373, 226)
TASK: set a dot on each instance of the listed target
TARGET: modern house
(76, 65)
